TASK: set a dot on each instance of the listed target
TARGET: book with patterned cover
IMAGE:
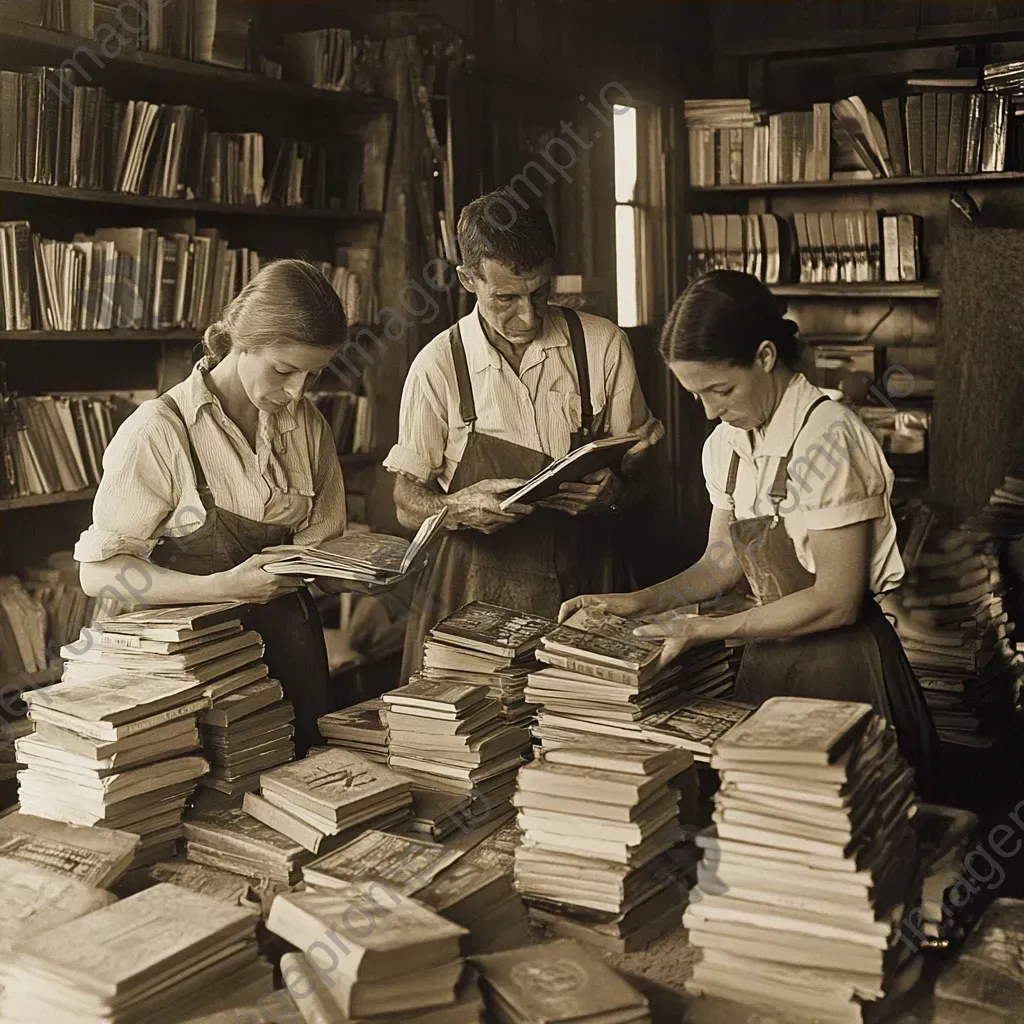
(626, 651)
(493, 628)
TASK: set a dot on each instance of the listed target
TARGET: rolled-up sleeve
(136, 496)
(714, 459)
(422, 422)
(839, 485)
(329, 516)
(626, 410)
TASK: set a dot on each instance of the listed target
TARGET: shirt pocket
(560, 414)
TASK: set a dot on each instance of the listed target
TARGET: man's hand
(477, 507)
(594, 494)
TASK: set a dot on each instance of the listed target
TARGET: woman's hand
(625, 605)
(680, 633)
(248, 581)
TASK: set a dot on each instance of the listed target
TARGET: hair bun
(216, 342)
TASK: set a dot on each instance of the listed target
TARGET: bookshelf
(41, 500)
(915, 182)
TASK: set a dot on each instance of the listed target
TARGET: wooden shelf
(812, 340)
(33, 44)
(38, 500)
(934, 181)
(93, 336)
(85, 195)
(860, 290)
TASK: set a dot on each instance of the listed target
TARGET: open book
(375, 559)
(572, 468)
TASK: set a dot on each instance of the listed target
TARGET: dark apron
(290, 625)
(532, 565)
(861, 662)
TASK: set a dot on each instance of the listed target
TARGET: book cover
(504, 628)
(442, 693)
(628, 651)
(335, 779)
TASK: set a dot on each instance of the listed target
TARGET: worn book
(368, 558)
(172, 623)
(571, 468)
(94, 639)
(559, 982)
(450, 697)
(697, 725)
(795, 730)
(404, 864)
(143, 661)
(207, 881)
(617, 755)
(94, 856)
(361, 723)
(491, 629)
(621, 651)
(246, 701)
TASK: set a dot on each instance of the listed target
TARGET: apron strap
(467, 407)
(197, 467)
(730, 480)
(579, 354)
(780, 485)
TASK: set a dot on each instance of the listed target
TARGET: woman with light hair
(231, 461)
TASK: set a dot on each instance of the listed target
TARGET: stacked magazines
(487, 645)
(373, 559)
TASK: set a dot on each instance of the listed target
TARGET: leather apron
(532, 565)
(861, 662)
(295, 652)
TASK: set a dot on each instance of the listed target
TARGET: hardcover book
(493, 629)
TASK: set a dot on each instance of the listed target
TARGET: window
(629, 223)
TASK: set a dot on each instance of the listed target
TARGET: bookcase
(141, 360)
(898, 320)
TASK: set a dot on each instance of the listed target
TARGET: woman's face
(275, 376)
(741, 396)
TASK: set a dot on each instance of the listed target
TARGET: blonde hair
(288, 301)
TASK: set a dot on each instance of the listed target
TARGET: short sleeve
(136, 495)
(422, 420)
(714, 460)
(626, 407)
(329, 516)
(842, 477)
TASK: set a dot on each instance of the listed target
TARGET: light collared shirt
(538, 408)
(838, 476)
(148, 489)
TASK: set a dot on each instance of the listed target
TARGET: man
(487, 405)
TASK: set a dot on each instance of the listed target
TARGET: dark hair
(722, 317)
(288, 301)
(495, 227)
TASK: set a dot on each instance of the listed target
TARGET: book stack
(404, 966)
(599, 827)
(809, 866)
(557, 983)
(120, 751)
(954, 627)
(1003, 516)
(328, 798)
(152, 957)
(490, 646)
(360, 728)
(983, 983)
(452, 737)
(246, 732)
(760, 244)
(232, 840)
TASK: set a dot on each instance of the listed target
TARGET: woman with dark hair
(800, 493)
(197, 483)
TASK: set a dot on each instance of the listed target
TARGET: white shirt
(539, 408)
(148, 488)
(838, 476)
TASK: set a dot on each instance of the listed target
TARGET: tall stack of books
(602, 841)
(246, 732)
(405, 966)
(582, 988)
(954, 627)
(120, 751)
(453, 737)
(328, 798)
(1003, 516)
(489, 646)
(810, 865)
(151, 957)
(360, 728)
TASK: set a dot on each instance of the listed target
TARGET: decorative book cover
(336, 777)
(630, 651)
(437, 691)
(492, 624)
(113, 698)
(239, 830)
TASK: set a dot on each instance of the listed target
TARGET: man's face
(512, 304)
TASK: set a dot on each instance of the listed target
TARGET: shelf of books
(114, 334)
(919, 181)
(858, 289)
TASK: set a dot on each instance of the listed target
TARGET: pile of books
(490, 646)
(954, 627)
(246, 732)
(1003, 516)
(405, 967)
(152, 957)
(602, 841)
(327, 798)
(810, 866)
(452, 737)
(360, 728)
(557, 982)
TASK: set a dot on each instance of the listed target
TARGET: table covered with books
(543, 825)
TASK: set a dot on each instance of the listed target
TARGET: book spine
(955, 150)
(891, 248)
(929, 118)
(973, 132)
(894, 137)
(915, 143)
(942, 129)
